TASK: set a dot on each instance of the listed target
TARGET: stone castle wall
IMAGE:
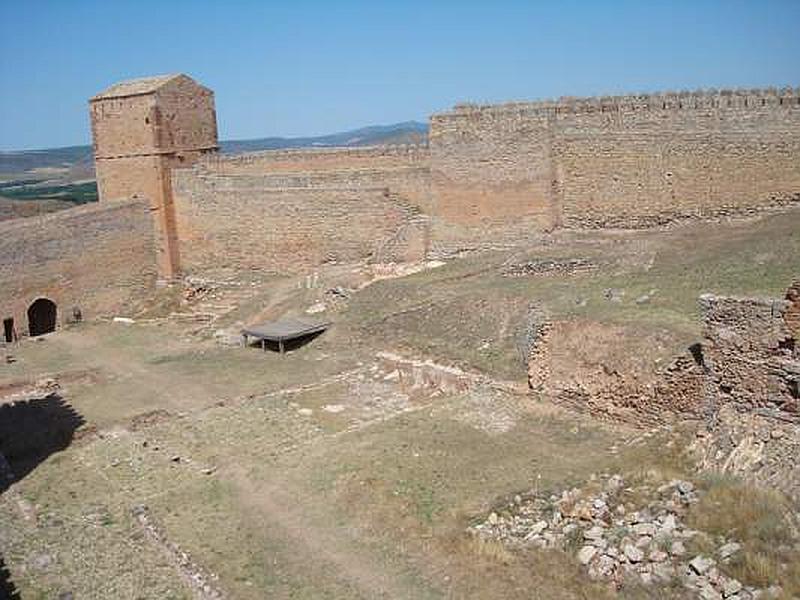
(99, 258)
(320, 159)
(751, 354)
(492, 167)
(496, 175)
(490, 175)
(627, 161)
(403, 169)
(241, 223)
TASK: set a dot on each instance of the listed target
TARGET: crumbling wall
(751, 355)
(99, 258)
(615, 372)
(752, 397)
(793, 310)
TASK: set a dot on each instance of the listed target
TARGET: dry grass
(764, 521)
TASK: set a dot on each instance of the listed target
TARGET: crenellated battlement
(401, 151)
(787, 97)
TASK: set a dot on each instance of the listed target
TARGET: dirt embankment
(615, 371)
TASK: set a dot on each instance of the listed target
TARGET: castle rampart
(497, 174)
(288, 230)
(99, 258)
(625, 161)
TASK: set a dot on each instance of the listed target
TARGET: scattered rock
(548, 266)
(700, 564)
(586, 554)
(644, 529)
(729, 550)
(632, 553)
(644, 541)
(594, 533)
(669, 523)
(731, 588)
(677, 548)
(315, 308)
(707, 592)
(538, 528)
(658, 556)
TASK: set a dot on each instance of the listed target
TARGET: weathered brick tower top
(141, 130)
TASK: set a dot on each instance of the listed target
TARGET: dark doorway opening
(8, 329)
(41, 317)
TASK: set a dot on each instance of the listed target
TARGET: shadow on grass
(8, 591)
(32, 430)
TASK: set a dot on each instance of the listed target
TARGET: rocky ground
(623, 533)
(367, 462)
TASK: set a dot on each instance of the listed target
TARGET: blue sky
(313, 67)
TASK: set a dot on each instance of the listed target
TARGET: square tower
(141, 130)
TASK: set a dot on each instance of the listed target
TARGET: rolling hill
(78, 159)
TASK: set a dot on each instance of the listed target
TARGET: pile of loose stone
(566, 266)
(615, 542)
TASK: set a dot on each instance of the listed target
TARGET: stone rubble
(619, 542)
(568, 266)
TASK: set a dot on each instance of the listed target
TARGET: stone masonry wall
(404, 169)
(752, 361)
(222, 226)
(626, 161)
(185, 117)
(642, 164)
(96, 257)
(793, 311)
(140, 138)
(122, 126)
(319, 159)
(752, 357)
(492, 167)
(496, 175)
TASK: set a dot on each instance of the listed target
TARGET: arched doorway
(41, 317)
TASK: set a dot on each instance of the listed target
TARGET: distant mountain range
(78, 159)
(409, 132)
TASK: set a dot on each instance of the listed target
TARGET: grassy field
(317, 475)
(75, 193)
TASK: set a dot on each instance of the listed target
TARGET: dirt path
(285, 511)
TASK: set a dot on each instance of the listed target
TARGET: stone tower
(141, 130)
